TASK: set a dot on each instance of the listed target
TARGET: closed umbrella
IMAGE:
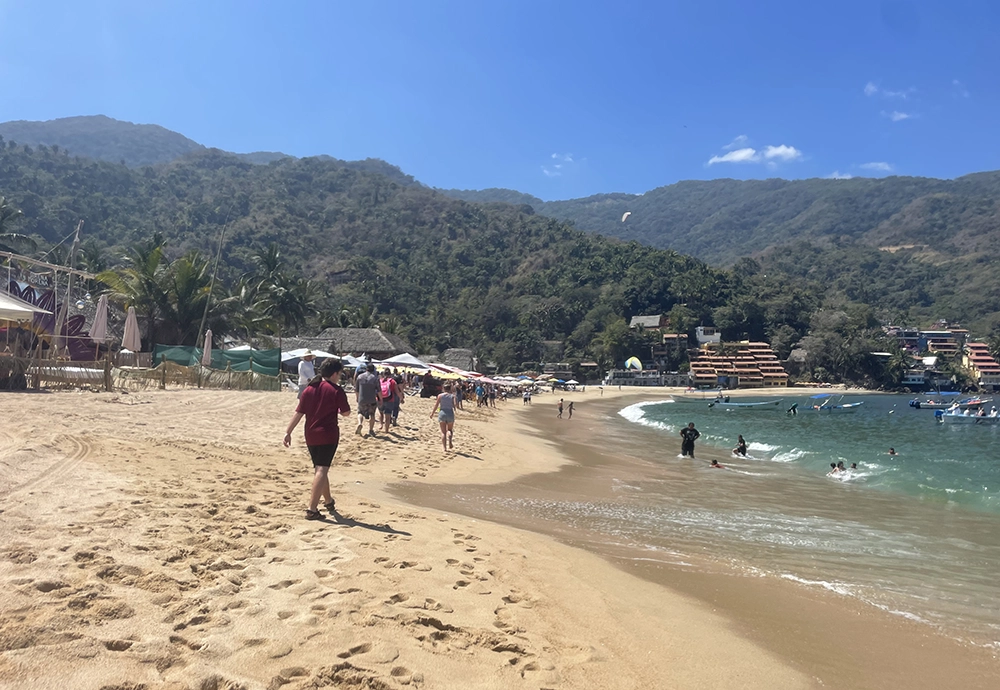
(131, 339)
(206, 354)
(99, 331)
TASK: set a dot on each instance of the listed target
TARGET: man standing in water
(688, 436)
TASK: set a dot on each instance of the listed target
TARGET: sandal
(314, 515)
(331, 506)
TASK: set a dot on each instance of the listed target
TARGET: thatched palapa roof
(358, 341)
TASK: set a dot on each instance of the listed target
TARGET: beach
(157, 540)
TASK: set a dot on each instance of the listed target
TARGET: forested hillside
(720, 221)
(317, 242)
(444, 272)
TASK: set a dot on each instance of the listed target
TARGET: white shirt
(306, 372)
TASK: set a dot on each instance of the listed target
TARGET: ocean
(916, 535)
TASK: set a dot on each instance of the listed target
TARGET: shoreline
(158, 539)
(798, 625)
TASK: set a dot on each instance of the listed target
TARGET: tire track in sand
(82, 449)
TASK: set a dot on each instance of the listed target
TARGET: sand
(158, 540)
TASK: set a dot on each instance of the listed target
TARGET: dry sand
(157, 540)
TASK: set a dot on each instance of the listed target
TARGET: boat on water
(956, 417)
(844, 407)
(764, 405)
(932, 404)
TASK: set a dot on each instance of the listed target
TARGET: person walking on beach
(688, 436)
(390, 399)
(445, 407)
(307, 371)
(559, 416)
(321, 401)
(570, 410)
(369, 396)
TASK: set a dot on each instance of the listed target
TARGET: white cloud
(904, 94)
(563, 162)
(896, 116)
(745, 155)
(770, 155)
(878, 166)
(871, 89)
(737, 143)
(837, 175)
(960, 89)
(785, 153)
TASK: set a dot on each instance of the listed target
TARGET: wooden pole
(163, 373)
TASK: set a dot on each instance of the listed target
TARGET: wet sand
(832, 639)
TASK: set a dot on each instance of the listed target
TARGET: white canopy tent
(406, 360)
(297, 354)
(14, 309)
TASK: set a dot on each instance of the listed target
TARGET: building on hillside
(977, 359)
(706, 335)
(646, 377)
(364, 341)
(649, 323)
(737, 365)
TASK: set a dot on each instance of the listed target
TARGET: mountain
(103, 138)
(106, 139)
(492, 277)
(720, 221)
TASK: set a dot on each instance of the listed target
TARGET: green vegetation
(318, 242)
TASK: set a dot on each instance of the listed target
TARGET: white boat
(962, 418)
(766, 405)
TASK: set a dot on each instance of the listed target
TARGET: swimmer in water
(892, 451)
(741, 447)
(716, 465)
(854, 465)
(833, 470)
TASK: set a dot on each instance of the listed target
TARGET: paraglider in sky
(626, 215)
(633, 363)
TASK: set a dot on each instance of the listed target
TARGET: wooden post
(229, 379)
(107, 371)
(37, 383)
(163, 373)
(251, 373)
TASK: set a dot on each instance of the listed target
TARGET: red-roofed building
(977, 359)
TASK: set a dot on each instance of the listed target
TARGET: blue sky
(558, 99)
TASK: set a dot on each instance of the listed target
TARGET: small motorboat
(726, 405)
(956, 417)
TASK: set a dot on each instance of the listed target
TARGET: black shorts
(687, 447)
(322, 456)
(367, 409)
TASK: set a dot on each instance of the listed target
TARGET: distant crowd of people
(380, 397)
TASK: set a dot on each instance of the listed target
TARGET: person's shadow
(346, 521)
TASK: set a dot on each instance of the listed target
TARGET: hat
(308, 353)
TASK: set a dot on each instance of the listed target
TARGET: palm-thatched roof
(358, 341)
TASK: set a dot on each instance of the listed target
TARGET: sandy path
(157, 540)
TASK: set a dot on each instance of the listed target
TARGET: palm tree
(141, 283)
(187, 286)
(363, 316)
(11, 241)
(288, 303)
(391, 324)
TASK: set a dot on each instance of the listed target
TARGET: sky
(556, 99)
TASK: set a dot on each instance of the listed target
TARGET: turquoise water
(916, 535)
(950, 463)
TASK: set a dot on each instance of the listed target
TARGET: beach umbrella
(99, 331)
(633, 363)
(206, 352)
(572, 382)
(131, 339)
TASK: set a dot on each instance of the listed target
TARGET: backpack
(386, 388)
